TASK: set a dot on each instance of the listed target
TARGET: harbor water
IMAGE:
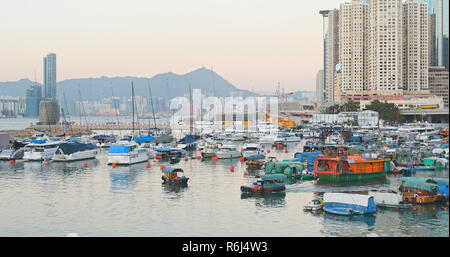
(63, 198)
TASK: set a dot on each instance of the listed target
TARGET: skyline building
(319, 88)
(50, 76)
(331, 52)
(415, 46)
(353, 54)
(33, 97)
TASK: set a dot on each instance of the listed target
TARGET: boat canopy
(256, 157)
(163, 139)
(169, 170)
(38, 141)
(188, 139)
(119, 149)
(350, 199)
(69, 148)
(269, 177)
(308, 156)
(386, 198)
(146, 139)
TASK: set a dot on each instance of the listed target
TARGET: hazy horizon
(250, 43)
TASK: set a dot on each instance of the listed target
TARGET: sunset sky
(251, 43)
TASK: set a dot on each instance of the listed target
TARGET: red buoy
(186, 159)
(85, 165)
(198, 157)
(268, 150)
(214, 158)
(231, 168)
(148, 165)
(286, 151)
(114, 165)
(199, 149)
(241, 159)
(11, 162)
(163, 167)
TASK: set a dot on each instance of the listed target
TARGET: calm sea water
(63, 198)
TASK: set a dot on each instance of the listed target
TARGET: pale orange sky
(251, 43)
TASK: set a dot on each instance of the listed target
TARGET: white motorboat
(39, 150)
(228, 152)
(127, 153)
(250, 150)
(74, 151)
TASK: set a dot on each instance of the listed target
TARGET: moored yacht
(126, 153)
(39, 150)
(74, 151)
(228, 152)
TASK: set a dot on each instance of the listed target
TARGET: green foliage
(388, 111)
(349, 106)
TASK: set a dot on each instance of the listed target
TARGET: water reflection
(174, 188)
(122, 177)
(355, 225)
(274, 200)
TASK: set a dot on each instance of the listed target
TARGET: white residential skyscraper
(415, 42)
(353, 21)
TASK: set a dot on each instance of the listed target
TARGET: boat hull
(348, 177)
(127, 159)
(78, 156)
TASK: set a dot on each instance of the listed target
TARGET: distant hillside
(97, 88)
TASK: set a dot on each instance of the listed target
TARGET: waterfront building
(32, 99)
(438, 83)
(50, 76)
(408, 102)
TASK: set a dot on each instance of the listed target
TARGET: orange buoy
(163, 167)
(198, 157)
(214, 158)
(85, 165)
(241, 159)
(11, 162)
(148, 165)
(199, 149)
(231, 168)
(114, 165)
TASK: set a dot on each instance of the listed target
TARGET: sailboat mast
(132, 104)
(115, 108)
(151, 101)
(190, 109)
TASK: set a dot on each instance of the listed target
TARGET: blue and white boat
(39, 150)
(127, 153)
(348, 204)
(74, 151)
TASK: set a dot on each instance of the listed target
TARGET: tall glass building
(50, 76)
(32, 99)
(440, 9)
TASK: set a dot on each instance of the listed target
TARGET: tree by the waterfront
(349, 106)
(388, 111)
